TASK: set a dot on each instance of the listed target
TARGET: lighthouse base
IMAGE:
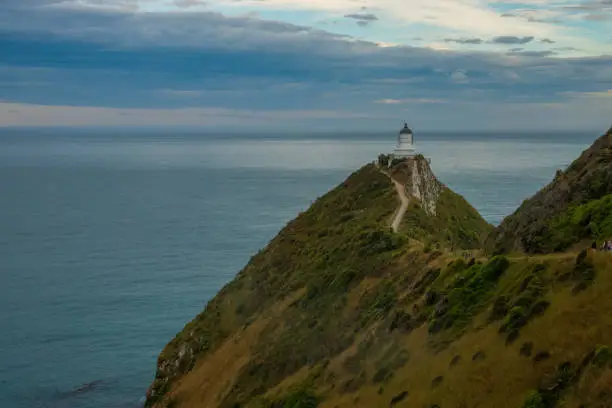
(403, 153)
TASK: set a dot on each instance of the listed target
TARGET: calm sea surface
(111, 242)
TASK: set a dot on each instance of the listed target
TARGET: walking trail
(404, 201)
(401, 211)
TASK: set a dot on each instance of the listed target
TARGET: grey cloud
(464, 40)
(362, 19)
(547, 41)
(512, 40)
(540, 54)
(507, 40)
(529, 15)
(594, 10)
(598, 17)
(286, 52)
(602, 5)
(460, 76)
(189, 3)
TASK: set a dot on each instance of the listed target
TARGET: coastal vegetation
(566, 211)
(339, 311)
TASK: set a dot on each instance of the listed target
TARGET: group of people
(606, 246)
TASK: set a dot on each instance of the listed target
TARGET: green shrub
(468, 295)
(298, 399)
(378, 303)
(534, 400)
(516, 318)
(591, 220)
(603, 355)
(496, 267)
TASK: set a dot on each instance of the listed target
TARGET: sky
(307, 64)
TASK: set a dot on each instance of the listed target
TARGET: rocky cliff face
(422, 184)
(437, 214)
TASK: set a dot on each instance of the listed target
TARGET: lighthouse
(405, 144)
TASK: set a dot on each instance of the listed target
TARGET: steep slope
(559, 215)
(338, 311)
(310, 278)
(437, 214)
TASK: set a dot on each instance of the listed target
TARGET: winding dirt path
(404, 201)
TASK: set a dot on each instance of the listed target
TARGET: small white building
(405, 144)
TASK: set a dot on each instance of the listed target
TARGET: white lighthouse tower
(405, 144)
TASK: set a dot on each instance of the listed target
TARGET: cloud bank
(111, 63)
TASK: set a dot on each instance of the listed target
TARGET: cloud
(408, 101)
(189, 3)
(362, 19)
(182, 93)
(512, 40)
(464, 40)
(539, 54)
(460, 76)
(183, 64)
(581, 95)
(13, 114)
(547, 41)
(598, 17)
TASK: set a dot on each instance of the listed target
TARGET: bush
(602, 356)
(516, 318)
(534, 400)
(299, 399)
(591, 220)
(378, 303)
(496, 267)
(469, 294)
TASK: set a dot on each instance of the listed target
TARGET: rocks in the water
(81, 389)
(526, 349)
(398, 398)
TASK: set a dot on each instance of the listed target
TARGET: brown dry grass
(573, 326)
(207, 384)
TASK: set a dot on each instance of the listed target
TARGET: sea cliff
(341, 310)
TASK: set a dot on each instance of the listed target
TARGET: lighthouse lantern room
(405, 144)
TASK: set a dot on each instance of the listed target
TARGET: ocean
(110, 241)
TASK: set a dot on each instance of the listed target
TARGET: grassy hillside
(311, 277)
(538, 224)
(339, 311)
